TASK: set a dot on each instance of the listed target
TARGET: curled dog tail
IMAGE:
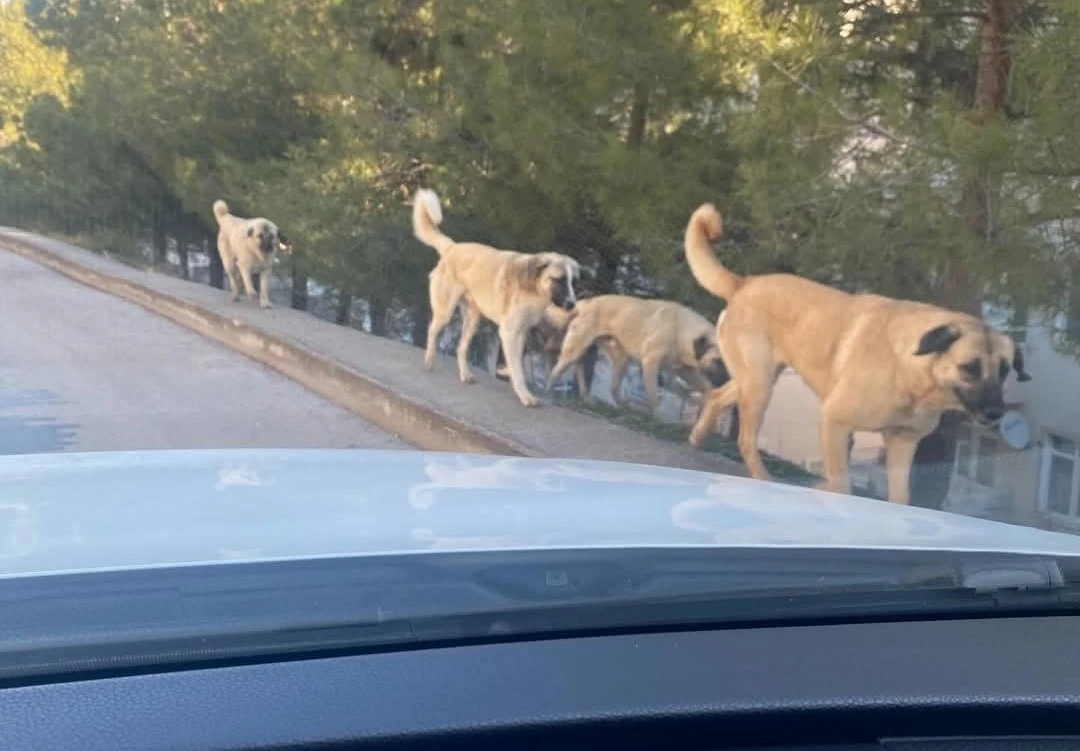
(706, 225)
(426, 218)
(221, 209)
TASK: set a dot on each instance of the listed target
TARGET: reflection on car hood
(63, 512)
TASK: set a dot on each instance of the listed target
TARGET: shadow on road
(31, 435)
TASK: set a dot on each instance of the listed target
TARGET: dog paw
(529, 401)
(265, 305)
(695, 440)
(467, 378)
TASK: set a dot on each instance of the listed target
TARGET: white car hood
(75, 512)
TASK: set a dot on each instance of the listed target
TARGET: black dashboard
(910, 686)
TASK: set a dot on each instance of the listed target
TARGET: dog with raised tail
(877, 364)
(510, 288)
(248, 247)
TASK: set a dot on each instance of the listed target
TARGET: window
(1059, 485)
(976, 455)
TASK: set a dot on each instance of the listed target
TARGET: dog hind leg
(619, 361)
(444, 299)
(576, 341)
(470, 322)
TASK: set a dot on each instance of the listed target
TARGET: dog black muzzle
(561, 295)
(985, 404)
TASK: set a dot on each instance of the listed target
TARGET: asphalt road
(83, 371)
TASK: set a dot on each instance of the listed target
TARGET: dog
(544, 339)
(247, 247)
(877, 364)
(658, 333)
(509, 288)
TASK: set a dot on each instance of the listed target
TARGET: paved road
(83, 371)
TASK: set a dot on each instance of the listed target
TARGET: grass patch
(781, 469)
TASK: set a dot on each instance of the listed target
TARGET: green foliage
(838, 137)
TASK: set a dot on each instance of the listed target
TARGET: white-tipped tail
(426, 218)
(220, 209)
(705, 226)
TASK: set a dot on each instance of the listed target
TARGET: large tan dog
(511, 289)
(877, 364)
(247, 247)
(658, 333)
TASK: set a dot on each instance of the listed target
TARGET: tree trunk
(182, 252)
(377, 313)
(639, 117)
(299, 296)
(977, 203)
(421, 320)
(160, 245)
(343, 313)
(217, 271)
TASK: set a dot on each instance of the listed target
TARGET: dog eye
(973, 368)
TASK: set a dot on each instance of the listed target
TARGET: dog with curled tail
(248, 247)
(511, 289)
(877, 364)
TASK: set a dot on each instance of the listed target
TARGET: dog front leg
(512, 334)
(234, 281)
(713, 403)
(249, 288)
(899, 454)
(650, 375)
(264, 288)
(835, 441)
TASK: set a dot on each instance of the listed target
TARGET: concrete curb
(419, 424)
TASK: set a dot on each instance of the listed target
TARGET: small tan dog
(247, 247)
(658, 333)
(877, 364)
(509, 288)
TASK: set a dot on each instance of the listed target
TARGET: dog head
(972, 361)
(268, 237)
(709, 362)
(553, 275)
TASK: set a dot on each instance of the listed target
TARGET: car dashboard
(976, 683)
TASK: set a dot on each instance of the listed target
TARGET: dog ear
(251, 231)
(701, 346)
(1018, 366)
(281, 238)
(937, 340)
(534, 267)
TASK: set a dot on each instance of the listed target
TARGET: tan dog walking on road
(657, 333)
(247, 247)
(877, 364)
(509, 288)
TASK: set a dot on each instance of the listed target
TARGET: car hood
(76, 512)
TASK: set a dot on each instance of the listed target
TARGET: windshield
(766, 275)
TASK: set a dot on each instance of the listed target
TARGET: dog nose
(568, 304)
(993, 414)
